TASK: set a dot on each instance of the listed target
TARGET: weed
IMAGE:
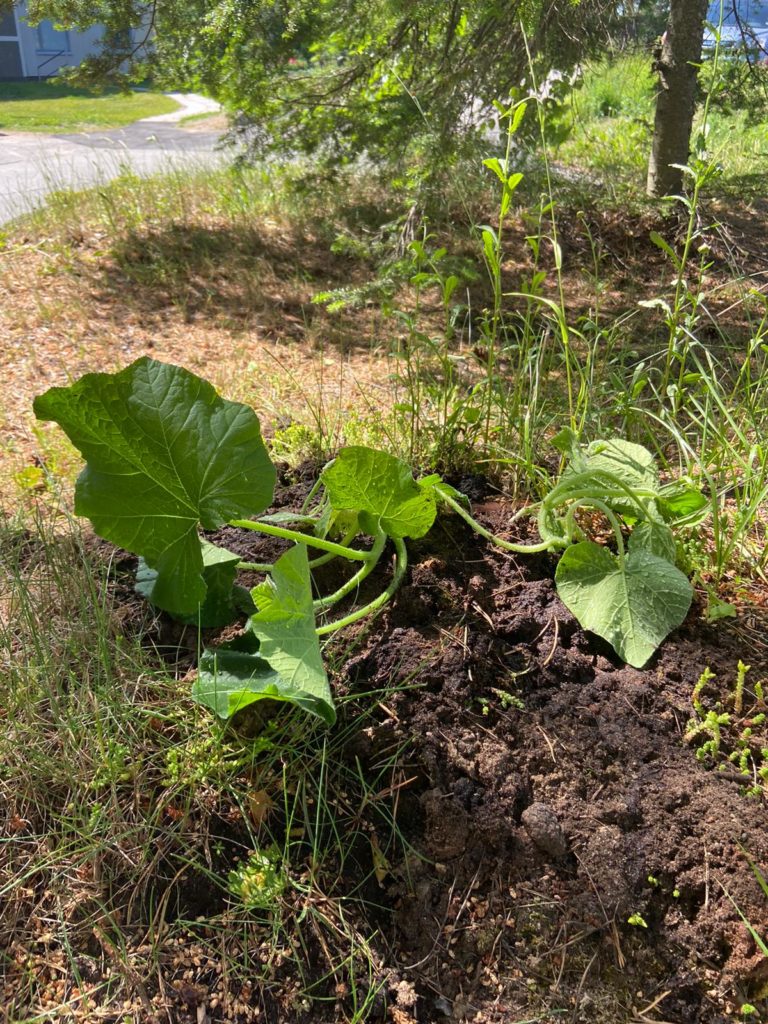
(730, 735)
(126, 819)
(259, 882)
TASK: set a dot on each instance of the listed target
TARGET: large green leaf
(223, 600)
(232, 676)
(165, 454)
(633, 606)
(615, 467)
(382, 489)
(278, 657)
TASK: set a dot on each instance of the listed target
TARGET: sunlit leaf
(633, 605)
(165, 455)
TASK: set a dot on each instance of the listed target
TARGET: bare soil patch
(558, 800)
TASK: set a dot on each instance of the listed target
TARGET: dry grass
(231, 301)
(217, 272)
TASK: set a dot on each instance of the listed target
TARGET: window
(7, 22)
(50, 40)
(121, 41)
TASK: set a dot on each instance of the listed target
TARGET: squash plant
(167, 458)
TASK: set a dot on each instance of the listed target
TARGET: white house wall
(39, 61)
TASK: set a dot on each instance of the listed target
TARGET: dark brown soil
(561, 853)
(552, 799)
(559, 800)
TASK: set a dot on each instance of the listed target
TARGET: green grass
(607, 122)
(134, 816)
(55, 107)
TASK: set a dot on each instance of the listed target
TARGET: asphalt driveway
(32, 165)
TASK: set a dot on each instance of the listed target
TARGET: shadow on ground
(236, 277)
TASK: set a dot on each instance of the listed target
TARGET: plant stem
(255, 566)
(521, 549)
(612, 518)
(581, 485)
(357, 579)
(302, 538)
(329, 555)
(565, 334)
(315, 488)
(401, 564)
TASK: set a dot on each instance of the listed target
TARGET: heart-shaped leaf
(381, 488)
(165, 455)
(632, 604)
(278, 656)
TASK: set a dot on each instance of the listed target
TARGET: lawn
(55, 107)
(607, 119)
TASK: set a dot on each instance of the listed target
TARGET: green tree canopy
(339, 78)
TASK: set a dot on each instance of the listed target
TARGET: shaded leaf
(567, 443)
(278, 656)
(223, 600)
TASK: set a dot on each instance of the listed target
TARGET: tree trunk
(676, 63)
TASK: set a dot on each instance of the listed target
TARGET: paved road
(31, 165)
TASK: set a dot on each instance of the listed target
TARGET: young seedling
(733, 740)
(168, 458)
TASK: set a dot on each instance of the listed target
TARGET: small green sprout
(115, 767)
(260, 881)
(637, 920)
(508, 700)
(733, 737)
(706, 676)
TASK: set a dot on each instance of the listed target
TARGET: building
(27, 52)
